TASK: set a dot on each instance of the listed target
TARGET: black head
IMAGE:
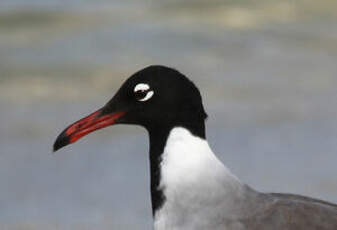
(155, 97)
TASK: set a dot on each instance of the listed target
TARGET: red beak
(94, 121)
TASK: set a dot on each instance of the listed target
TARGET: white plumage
(194, 182)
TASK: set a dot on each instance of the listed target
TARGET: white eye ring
(142, 87)
(148, 96)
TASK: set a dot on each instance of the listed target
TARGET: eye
(142, 92)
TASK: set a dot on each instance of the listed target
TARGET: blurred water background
(267, 70)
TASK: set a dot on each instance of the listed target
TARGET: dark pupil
(140, 94)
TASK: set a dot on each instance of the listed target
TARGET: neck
(193, 182)
(158, 137)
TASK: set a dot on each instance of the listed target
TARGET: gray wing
(293, 212)
(299, 198)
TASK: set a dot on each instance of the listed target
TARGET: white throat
(194, 183)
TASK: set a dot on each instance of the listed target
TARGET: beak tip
(61, 141)
(55, 149)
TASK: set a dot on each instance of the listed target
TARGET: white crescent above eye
(144, 87)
